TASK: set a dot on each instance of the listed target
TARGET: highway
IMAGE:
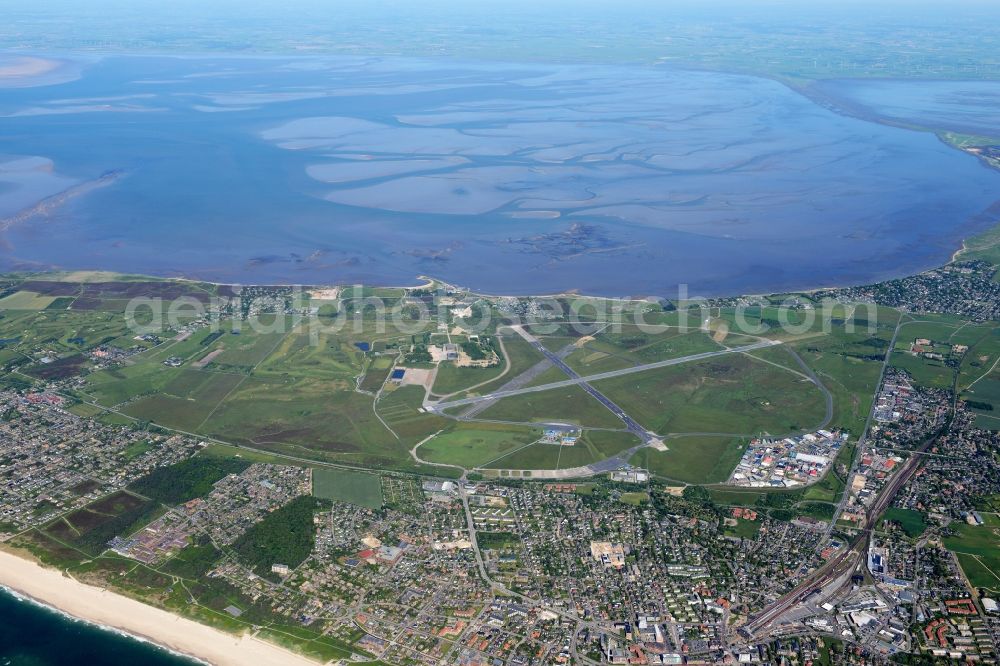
(576, 379)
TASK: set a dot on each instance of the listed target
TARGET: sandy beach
(109, 609)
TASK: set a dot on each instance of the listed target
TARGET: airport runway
(576, 379)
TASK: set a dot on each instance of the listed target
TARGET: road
(502, 589)
(811, 375)
(853, 467)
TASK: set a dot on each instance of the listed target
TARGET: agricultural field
(26, 300)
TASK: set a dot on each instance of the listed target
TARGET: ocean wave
(24, 598)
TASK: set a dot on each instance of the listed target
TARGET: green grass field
(477, 444)
(727, 394)
(608, 443)
(402, 409)
(978, 548)
(984, 246)
(911, 521)
(243, 348)
(818, 510)
(520, 355)
(943, 331)
(924, 371)
(696, 459)
(568, 404)
(451, 378)
(635, 498)
(731, 496)
(375, 377)
(593, 446)
(595, 357)
(983, 398)
(981, 570)
(186, 401)
(744, 529)
(309, 416)
(59, 331)
(343, 485)
(546, 456)
(848, 364)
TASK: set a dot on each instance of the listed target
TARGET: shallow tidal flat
(967, 107)
(504, 178)
(23, 71)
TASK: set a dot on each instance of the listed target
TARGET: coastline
(141, 621)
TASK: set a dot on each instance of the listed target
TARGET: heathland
(282, 373)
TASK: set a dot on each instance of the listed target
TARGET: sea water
(33, 635)
(506, 178)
